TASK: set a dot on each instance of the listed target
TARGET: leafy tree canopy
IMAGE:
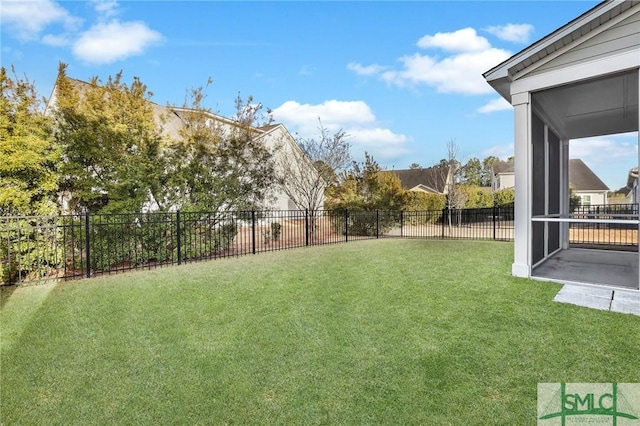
(30, 156)
(111, 143)
(368, 187)
(118, 159)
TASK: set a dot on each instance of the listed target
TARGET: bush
(225, 235)
(421, 201)
(429, 206)
(276, 230)
(476, 197)
(504, 197)
(363, 222)
(29, 248)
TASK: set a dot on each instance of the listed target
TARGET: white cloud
(382, 143)
(498, 104)
(464, 40)
(25, 20)
(605, 149)
(110, 42)
(362, 70)
(355, 118)
(102, 43)
(610, 157)
(469, 55)
(503, 152)
(106, 8)
(460, 73)
(56, 40)
(517, 33)
(334, 114)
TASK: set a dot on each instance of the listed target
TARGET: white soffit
(603, 106)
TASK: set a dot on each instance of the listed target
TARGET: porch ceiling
(603, 106)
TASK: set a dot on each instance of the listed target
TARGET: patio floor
(587, 266)
(622, 301)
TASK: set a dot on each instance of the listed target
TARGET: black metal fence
(34, 248)
(620, 235)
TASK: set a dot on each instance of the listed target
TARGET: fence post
(401, 223)
(253, 231)
(444, 220)
(346, 225)
(178, 237)
(377, 223)
(87, 243)
(306, 227)
(494, 221)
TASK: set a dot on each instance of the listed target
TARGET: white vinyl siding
(623, 37)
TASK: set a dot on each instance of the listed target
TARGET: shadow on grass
(6, 290)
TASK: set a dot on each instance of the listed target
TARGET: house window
(585, 200)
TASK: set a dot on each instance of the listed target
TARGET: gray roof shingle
(582, 177)
(434, 178)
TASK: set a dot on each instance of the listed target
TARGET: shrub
(504, 197)
(476, 197)
(429, 206)
(363, 222)
(276, 230)
(225, 236)
(29, 247)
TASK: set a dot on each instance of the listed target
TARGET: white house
(586, 184)
(502, 175)
(276, 137)
(582, 180)
(582, 80)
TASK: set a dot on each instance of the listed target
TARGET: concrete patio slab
(595, 301)
(569, 289)
(629, 296)
(627, 302)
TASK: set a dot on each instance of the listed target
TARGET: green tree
(574, 199)
(29, 155)
(487, 171)
(476, 197)
(111, 143)
(220, 164)
(367, 187)
(504, 197)
(471, 173)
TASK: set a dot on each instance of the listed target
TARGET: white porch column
(522, 151)
(565, 207)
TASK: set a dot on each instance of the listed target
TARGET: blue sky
(400, 78)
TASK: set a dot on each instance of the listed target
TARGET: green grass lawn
(369, 332)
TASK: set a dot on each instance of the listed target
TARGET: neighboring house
(502, 175)
(586, 184)
(275, 136)
(623, 195)
(632, 186)
(431, 180)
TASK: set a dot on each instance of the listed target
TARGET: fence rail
(35, 248)
(623, 236)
